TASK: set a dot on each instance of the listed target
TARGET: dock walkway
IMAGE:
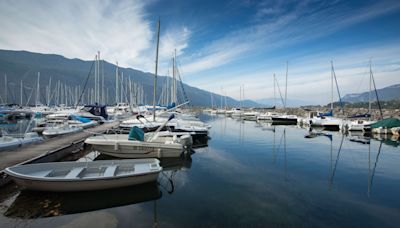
(29, 152)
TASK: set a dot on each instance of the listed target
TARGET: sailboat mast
(274, 92)
(370, 89)
(376, 93)
(37, 90)
(331, 85)
(98, 78)
(5, 89)
(20, 95)
(102, 83)
(116, 83)
(95, 80)
(49, 95)
(155, 72)
(287, 69)
(174, 77)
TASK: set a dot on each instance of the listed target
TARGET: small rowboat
(84, 176)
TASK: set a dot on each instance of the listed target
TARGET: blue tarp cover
(136, 134)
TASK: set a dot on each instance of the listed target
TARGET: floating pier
(49, 150)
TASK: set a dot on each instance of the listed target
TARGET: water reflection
(32, 204)
(256, 174)
(333, 170)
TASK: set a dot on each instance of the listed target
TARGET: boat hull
(141, 151)
(284, 121)
(84, 185)
(84, 176)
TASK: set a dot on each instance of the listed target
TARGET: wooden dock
(50, 149)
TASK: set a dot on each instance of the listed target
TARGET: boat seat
(74, 173)
(141, 168)
(43, 173)
(110, 171)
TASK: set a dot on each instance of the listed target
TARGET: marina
(270, 171)
(199, 113)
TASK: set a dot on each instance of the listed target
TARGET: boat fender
(159, 153)
(116, 146)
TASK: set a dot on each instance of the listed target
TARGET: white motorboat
(358, 125)
(252, 115)
(84, 176)
(266, 116)
(119, 145)
(236, 112)
(61, 130)
(7, 141)
(332, 124)
(326, 122)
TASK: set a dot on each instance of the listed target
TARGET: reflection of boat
(284, 119)
(312, 134)
(384, 126)
(362, 140)
(390, 140)
(84, 176)
(395, 130)
(31, 204)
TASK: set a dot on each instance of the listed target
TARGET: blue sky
(222, 45)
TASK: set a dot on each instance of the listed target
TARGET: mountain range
(385, 94)
(24, 66)
(269, 102)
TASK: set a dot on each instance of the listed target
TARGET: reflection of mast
(336, 162)
(244, 126)
(155, 223)
(330, 167)
(273, 151)
(369, 169)
(284, 146)
(371, 175)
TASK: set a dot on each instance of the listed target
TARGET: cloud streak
(121, 30)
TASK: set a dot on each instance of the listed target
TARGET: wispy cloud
(121, 30)
(302, 22)
(278, 27)
(309, 76)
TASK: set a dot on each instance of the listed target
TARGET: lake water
(250, 175)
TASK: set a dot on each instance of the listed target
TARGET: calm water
(250, 175)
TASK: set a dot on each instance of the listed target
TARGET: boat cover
(81, 119)
(136, 134)
(330, 113)
(387, 123)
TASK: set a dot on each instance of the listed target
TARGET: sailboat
(363, 124)
(326, 120)
(284, 119)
